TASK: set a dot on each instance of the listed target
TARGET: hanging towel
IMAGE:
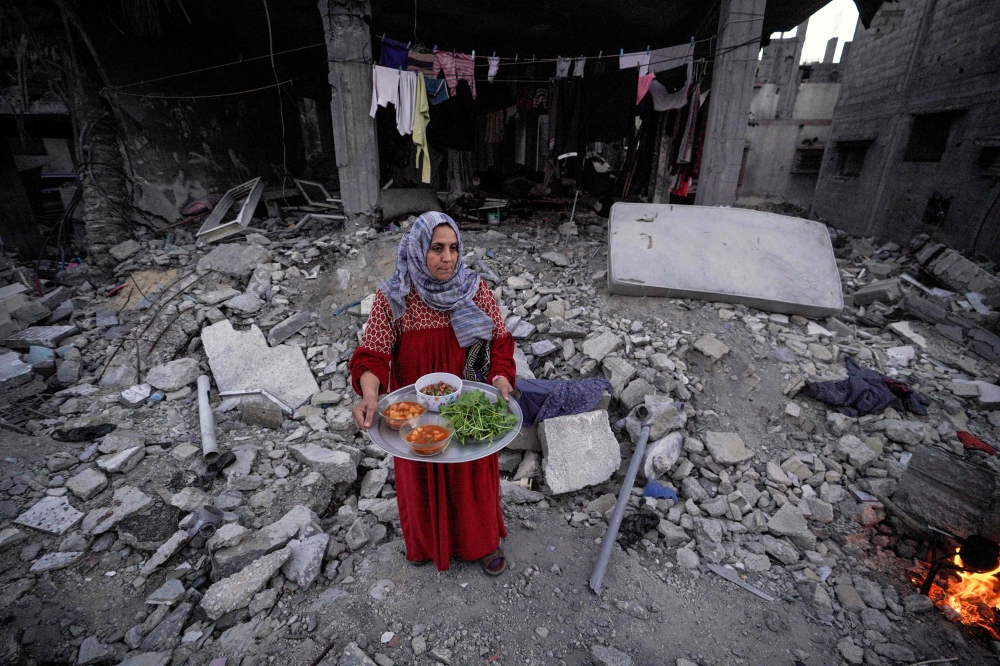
(437, 90)
(385, 87)
(456, 67)
(686, 150)
(393, 54)
(562, 67)
(422, 118)
(644, 82)
(494, 62)
(407, 102)
(578, 66)
(670, 57)
(420, 62)
(630, 60)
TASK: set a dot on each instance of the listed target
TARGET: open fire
(967, 597)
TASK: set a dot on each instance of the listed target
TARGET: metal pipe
(597, 575)
(209, 445)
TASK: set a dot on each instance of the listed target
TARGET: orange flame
(973, 599)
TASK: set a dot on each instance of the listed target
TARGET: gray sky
(836, 19)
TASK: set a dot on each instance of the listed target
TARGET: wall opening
(808, 160)
(989, 161)
(851, 157)
(936, 211)
(929, 136)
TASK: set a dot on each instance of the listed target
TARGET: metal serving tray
(389, 440)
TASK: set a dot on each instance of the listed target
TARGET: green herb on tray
(476, 418)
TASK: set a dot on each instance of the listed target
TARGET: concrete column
(740, 23)
(349, 50)
(790, 86)
(831, 50)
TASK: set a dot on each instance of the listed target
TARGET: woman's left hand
(501, 384)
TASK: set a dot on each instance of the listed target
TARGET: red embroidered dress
(446, 511)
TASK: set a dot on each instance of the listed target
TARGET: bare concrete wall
(919, 56)
(768, 173)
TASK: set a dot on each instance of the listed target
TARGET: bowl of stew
(399, 409)
(438, 389)
(427, 435)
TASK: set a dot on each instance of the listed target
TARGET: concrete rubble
(308, 551)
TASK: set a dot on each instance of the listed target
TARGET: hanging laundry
(562, 67)
(686, 150)
(644, 82)
(420, 62)
(456, 67)
(453, 123)
(407, 102)
(393, 54)
(437, 90)
(385, 87)
(494, 62)
(670, 57)
(421, 118)
(630, 60)
(494, 127)
(578, 66)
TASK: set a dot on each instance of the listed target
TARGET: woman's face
(442, 257)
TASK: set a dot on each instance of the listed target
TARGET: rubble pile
(299, 502)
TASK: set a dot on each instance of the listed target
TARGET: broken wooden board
(733, 255)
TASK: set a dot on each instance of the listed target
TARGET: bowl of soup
(399, 409)
(427, 435)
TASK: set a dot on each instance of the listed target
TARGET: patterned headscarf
(453, 296)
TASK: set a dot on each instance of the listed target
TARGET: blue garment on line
(437, 90)
(547, 398)
(393, 54)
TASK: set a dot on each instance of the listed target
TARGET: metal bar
(597, 575)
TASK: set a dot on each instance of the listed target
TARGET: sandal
(495, 563)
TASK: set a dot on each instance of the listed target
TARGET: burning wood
(966, 596)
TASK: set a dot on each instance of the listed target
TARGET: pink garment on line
(644, 82)
(456, 67)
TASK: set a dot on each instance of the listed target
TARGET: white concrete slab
(734, 255)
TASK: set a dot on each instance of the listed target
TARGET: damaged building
(758, 419)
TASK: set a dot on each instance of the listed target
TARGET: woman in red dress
(436, 315)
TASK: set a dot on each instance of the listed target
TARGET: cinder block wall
(956, 67)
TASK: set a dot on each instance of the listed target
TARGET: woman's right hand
(364, 412)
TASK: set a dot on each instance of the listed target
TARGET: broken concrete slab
(856, 452)
(243, 363)
(40, 336)
(55, 561)
(126, 501)
(336, 466)
(883, 291)
(306, 560)
(167, 594)
(600, 346)
(580, 450)
(789, 522)
(727, 448)
(122, 462)
(87, 484)
(165, 551)
(235, 260)
(54, 515)
(247, 303)
(13, 371)
(174, 375)
(238, 590)
(125, 249)
(11, 536)
(561, 328)
(763, 260)
(287, 328)
(711, 346)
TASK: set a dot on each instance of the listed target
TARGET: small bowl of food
(427, 435)
(397, 410)
(438, 389)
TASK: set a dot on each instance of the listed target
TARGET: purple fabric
(866, 392)
(393, 54)
(545, 398)
(454, 296)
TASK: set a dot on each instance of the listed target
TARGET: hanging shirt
(456, 67)
(385, 87)
(562, 67)
(437, 90)
(393, 54)
(639, 59)
(494, 62)
(578, 66)
(420, 62)
(407, 102)
(421, 118)
(665, 101)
